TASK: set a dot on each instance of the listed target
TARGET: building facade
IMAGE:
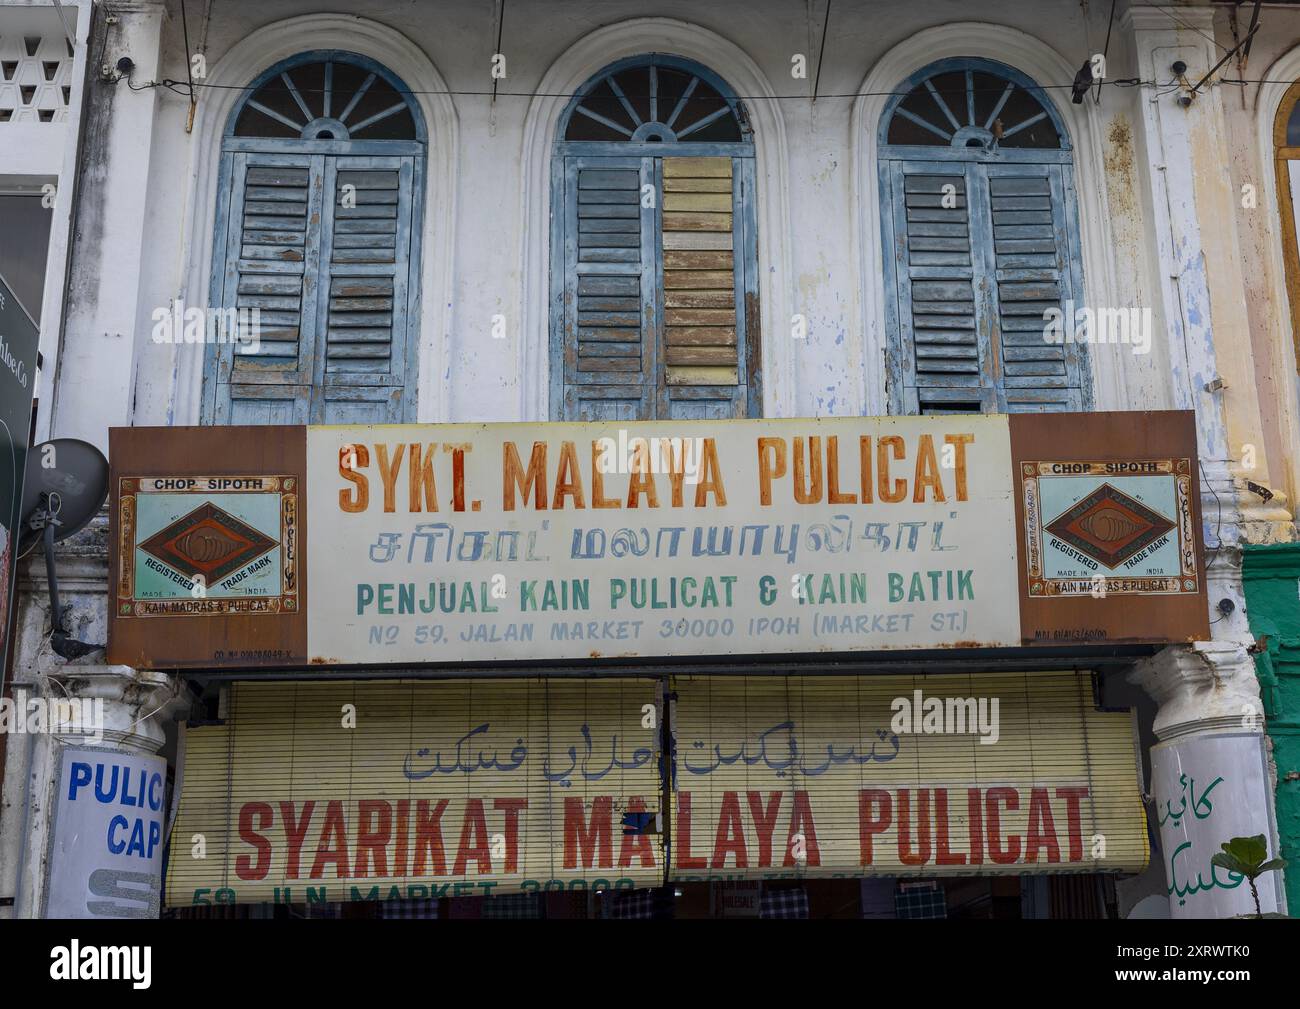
(470, 213)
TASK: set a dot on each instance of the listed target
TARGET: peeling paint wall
(832, 369)
(1247, 149)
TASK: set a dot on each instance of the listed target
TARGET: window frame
(992, 397)
(564, 153)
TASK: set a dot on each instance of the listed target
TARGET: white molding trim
(569, 72)
(238, 67)
(1040, 62)
(1281, 339)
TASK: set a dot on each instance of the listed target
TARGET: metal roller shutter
(453, 788)
(763, 762)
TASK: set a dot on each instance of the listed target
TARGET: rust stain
(1118, 160)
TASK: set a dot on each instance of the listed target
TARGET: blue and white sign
(106, 853)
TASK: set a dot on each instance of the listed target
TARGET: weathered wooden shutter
(654, 289)
(272, 264)
(361, 375)
(609, 289)
(943, 354)
(703, 244)
(979, 254)
(1036, 270)
(321, 246)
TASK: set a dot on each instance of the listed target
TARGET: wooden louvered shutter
(943, 302)
(703, 243)
(362, 372)
(654, 291)
(1036, 270)
(974, 281)
(272, 262)
(609, 290)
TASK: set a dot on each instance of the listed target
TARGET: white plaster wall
(815, 253)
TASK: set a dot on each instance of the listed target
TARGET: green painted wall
(1272, 577)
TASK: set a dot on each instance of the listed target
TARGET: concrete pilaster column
(1210, 775)
(107, 324)
(1199, 262)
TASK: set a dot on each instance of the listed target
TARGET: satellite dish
(66, 484)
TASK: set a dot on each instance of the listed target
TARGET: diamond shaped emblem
(1109, 526)
(208, 542)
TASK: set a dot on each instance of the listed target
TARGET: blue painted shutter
(972, 282)
(272, 264)
(609, 299)
(1036, 269)
(329, 269)
(361, 374)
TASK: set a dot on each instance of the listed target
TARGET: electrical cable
(268, 87)
(185, 32)
(1105, 50)
(822, 50)
(1190, 27)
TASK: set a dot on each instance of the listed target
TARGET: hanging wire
(1124, 82)
(822, 51)
(1105, 51)
(1190, 27)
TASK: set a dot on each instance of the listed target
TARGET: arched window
(318, 248)
(654, 275)
(981, 245)
(1286, 147)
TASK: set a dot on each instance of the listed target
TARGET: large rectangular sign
(437, 544)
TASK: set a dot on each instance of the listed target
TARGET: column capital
(1202, 687)
(136, 704)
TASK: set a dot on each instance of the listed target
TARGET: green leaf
(1273, 863)
(1229, 862)
(1249, 850)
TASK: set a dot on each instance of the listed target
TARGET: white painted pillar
(106, 324)
(1210, 776)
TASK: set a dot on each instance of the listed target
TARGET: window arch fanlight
(654, 264)
(983, 264)
(1286, 159)
(317, 247)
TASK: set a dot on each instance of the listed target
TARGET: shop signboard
(511, 543)
(19, 339)
(1194, 779)
(106, 851)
